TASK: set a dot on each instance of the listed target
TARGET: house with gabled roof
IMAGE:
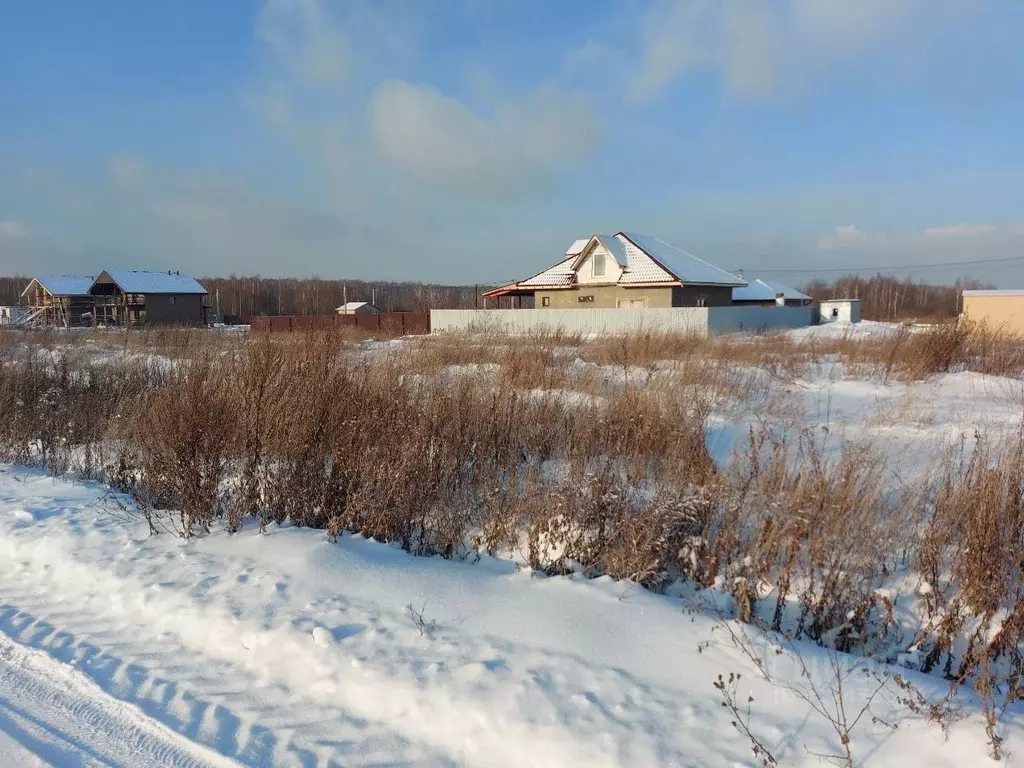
(624, 271)
(765, 293)
(125, 298)
(57, 301)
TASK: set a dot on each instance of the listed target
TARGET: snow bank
(287, 649)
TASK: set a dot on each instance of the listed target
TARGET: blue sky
(472, 140)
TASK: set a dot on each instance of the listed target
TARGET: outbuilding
(358, 308)
(764, 293)
(999, 310)
(840, 311)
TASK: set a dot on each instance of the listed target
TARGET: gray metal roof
(686, 267)
(616, 248)
(64, 285)
(766, 290)
(132, 281)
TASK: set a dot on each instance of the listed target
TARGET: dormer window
(600, 264)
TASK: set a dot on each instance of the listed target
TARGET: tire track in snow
(243, 722)
(57, 714)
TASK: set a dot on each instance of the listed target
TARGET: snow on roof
(64, 285)
(1008, 292)
(765, 290)
(134, 281)
(644, 259)
(352, 306)
(640, 267)
(684, 266)
(577, 247)
(558, 274)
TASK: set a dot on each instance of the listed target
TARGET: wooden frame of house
(58, 301)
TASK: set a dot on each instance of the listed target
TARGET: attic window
(600, 264)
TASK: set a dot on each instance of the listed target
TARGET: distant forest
(883, 297)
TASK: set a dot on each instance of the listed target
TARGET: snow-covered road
(50, 714)
(285, 649)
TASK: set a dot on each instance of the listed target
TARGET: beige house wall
(605, 297)
(1004, 313)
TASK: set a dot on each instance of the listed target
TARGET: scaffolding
(55, 310)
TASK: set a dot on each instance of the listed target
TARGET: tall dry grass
(572, 455)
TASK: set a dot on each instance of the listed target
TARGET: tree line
(882, 297)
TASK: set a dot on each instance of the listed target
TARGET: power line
(886, 268)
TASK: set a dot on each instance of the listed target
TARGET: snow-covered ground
(121, 649)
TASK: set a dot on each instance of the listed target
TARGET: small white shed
(840, 311)
(358, 308)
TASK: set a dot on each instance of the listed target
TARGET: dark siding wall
(687, 295)
(186, 310)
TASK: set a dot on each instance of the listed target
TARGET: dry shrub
(183, 432)
(814, 532)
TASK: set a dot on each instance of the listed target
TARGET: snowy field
(290, 648)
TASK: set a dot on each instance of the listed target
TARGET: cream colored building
(998, 310)
(623, 271)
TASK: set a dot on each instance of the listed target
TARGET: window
(600, 265)
(835, 311)
(702, 300)
(170, 300)
(545, 301)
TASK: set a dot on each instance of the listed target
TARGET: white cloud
(12, 230)
(306, 40)
(964, 241)
(516, 149)
(959, 230)
(754, 45)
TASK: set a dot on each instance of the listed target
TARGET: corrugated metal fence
(702, 320)
(384, 324)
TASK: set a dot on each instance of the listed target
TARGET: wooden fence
(384, 324)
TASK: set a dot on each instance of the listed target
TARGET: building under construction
(58, 301)
(116, 298)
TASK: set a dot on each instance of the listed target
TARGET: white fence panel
(702, 320)
(571, 321)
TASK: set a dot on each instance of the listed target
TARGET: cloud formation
(12, 230)
(516, 150)
(752, 45)
(953, 242)
(305, 39)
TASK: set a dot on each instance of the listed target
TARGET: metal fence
(383, 324)
(702, 320)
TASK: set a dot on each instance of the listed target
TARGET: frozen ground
(121, 649)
